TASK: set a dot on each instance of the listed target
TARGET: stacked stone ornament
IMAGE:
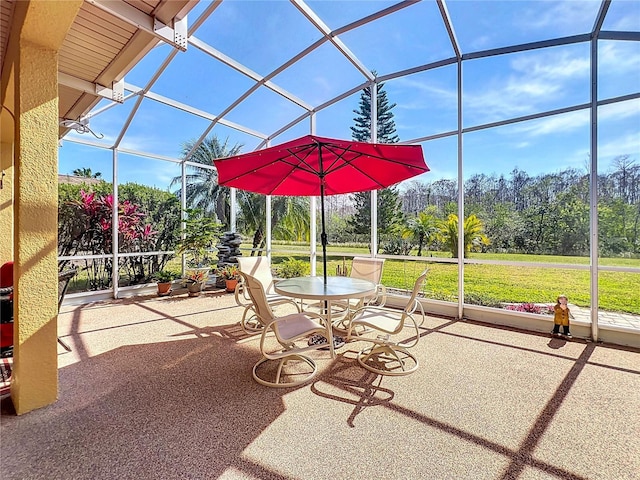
(228, 252)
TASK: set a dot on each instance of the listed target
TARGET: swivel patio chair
(388, 355)
(259, 268)
(364, 268)
(292, 367)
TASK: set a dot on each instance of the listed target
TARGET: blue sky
(264, 34)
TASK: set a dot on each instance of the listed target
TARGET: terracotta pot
(231, 285)
(164, 288)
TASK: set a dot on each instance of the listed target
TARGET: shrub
(481, 299)
(148, 221)
(396, 246)
(293, 268)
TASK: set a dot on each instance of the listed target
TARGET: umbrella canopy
(296, 168)
(318, 166)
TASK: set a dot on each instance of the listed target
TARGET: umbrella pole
(323, 235)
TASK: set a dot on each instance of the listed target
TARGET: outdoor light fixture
(81, 125)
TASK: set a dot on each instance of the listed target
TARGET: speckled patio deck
(162, 388)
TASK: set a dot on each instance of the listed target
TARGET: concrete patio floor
(162, 388)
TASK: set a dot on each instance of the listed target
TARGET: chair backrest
(366, 268)
(417, 286)
(260, 269)
(253, 286)
(64, 278)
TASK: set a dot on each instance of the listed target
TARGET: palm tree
(86, 173)
(474, 236)
(422, 228)
(203, 191)
(289, 217)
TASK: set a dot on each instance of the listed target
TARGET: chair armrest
(382, 295)
(373, 308)
(315, 315)
(241, 296)
(283, 301)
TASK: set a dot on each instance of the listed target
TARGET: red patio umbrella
(317, 166)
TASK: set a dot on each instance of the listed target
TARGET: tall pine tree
(390, 217)
(386, 126)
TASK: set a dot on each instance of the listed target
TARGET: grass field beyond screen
(493, 284)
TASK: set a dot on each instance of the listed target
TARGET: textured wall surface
(35, 197)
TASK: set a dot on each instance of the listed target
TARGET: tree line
(546, 213)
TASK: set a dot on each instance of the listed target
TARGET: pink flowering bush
(531, 308)
(86, 228)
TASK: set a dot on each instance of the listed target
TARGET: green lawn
(484, 284)
(493, 284)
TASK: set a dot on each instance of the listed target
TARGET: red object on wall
(6, 334)
(6, 315)
(6, 275)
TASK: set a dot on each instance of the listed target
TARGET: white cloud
(619, 110)
(425, 94)
(619, 57)
(567, 13)
(628, 22)
(536, 81)
(436, 173)
(555, 124)
(481, 42)
(624, 145)
(552, 65)
(146, 143)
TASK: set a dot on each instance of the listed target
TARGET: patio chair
(286, 360)
(387, 356)
(64, 278)
(259, 268)
(364, 268)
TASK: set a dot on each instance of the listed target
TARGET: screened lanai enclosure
(528, 114)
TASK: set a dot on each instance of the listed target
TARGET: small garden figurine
(561, 314)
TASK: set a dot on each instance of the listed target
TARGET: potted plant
(231, 275)
(165, 280)
(195, 280)
(200, 235)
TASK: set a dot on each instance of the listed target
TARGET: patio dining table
(335, 288)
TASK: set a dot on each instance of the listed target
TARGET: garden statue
(228, 253)
(561, 314)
